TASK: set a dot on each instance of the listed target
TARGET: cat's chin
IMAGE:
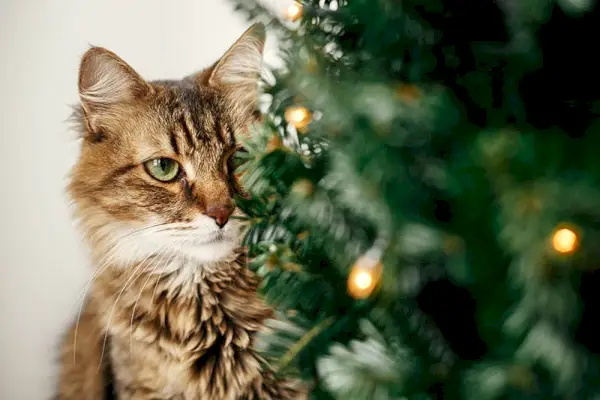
(211, 252)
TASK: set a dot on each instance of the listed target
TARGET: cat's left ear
(238, 70)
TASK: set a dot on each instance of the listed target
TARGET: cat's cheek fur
(203, 243)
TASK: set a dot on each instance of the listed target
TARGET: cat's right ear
(106, 80)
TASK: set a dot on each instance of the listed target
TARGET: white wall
(42, 261)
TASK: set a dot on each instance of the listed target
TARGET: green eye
(162, 169)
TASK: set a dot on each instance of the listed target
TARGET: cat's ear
(105, 80)
(238, 70)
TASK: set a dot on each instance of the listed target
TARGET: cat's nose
(220, 214)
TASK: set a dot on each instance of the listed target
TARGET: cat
(172, 312)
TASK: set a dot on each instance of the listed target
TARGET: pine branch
(303, 342)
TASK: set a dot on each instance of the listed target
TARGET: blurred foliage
(462, 136)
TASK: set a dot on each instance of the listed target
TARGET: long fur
(171, 312)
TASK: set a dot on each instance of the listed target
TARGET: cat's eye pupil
(162, 169)
(164, 164)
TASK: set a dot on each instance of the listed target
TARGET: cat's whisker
(82, 303)
(129, 236)
(114, 243)
(125, 286)
(102, 267)
(146, 228)
(105, 262)
(157, 282)
(187, 228)
(156, 265)
(156, 286)
(118, 240)
(134, 307)
(111, 249)
(98, 233)
(185, 242)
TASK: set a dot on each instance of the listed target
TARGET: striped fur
(171, 311)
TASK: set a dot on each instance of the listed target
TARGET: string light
(363, 280)
(366, 273)
(565, 240)
(293, 12)
(298, 116)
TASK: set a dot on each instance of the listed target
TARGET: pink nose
(220, 214)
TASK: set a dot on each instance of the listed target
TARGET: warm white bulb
(298, 116)
(365, 274)
(564, 240)
(363, 280)
(294, 11)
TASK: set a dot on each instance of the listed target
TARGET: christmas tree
(424, 198)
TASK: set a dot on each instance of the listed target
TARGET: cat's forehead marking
(201, 121)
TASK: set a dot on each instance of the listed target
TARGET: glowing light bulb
(294, 11)
(363, 280)
(298, 116)
(565, 240)
(364, 277)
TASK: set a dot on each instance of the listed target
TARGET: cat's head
(154, 176)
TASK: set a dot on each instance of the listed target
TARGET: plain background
(43, 262)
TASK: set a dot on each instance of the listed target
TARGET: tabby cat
(172, 312)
